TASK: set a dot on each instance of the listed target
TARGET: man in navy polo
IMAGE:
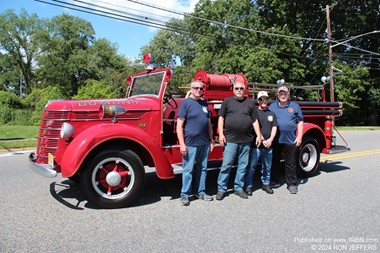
(289, 137)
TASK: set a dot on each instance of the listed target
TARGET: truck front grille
(48, 135)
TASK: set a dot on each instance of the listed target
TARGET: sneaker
(204, 197)
(185, 201)
(293, 189)
(220, 196)
(267, 189)
(275, 184)
(248, 190)
(241, 194)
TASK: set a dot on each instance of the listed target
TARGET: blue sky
(129, 37)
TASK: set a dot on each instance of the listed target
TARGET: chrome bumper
(42, 169)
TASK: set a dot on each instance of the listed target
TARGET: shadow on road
(69, 194)
(330, 167)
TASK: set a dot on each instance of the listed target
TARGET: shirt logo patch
(204, 108)
(290, 110)
(270, 118)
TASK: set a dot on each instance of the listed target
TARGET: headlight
(67, 130)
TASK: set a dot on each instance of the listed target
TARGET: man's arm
(222, 138)
(211, 135)
(299, 133)
(256, 127)
(180, 135)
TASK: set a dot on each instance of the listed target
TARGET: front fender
(315, 132)
(90, 138)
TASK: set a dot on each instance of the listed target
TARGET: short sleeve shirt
(267, 121)
(239, 116)
(196, 114)
(287, 118)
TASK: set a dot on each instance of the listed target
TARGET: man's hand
(222, 139)
(183, 149)
(258, 141)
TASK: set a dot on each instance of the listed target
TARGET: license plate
(51, 159)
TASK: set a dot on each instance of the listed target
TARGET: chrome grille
(48, 136)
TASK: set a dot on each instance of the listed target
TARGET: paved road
(335, 211)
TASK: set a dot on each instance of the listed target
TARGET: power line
(114, 16)
(224, 24)
(160, 24)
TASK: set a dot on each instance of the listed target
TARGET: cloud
(153, 13)
(154, 9)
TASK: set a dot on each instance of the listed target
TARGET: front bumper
(45, 170)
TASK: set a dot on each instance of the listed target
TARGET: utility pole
(331, 72)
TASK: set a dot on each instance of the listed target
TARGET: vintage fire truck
(108, 145)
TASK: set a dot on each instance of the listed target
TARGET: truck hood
(133, 103)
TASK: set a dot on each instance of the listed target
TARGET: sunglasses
(197, 88)
(239, 88)
(263, 99)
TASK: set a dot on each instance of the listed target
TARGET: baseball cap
(283, 88)
(262, 94)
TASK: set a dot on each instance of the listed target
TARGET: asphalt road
(334, 211)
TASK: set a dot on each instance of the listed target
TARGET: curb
(17, 149)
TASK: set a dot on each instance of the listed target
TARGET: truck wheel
(308, 157)
(113, 178)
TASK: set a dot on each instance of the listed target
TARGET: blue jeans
(195, 162)
(229, 154)
(265, 154)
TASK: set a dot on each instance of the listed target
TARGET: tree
(72, 55)
(95, 89)
(307, 19)
(65, 58)
(20, 38)
(38, 98)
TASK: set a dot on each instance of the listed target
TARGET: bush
(10, 99)
(37, 100)
(11, 116)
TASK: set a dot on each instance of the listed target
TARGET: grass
(12, 137)
(358, 128)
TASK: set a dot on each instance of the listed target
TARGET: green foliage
(37, 100)
(95, 89)
(244, 36)
(12, 110)
(10, 100)
(182, 78)
(20, 38)
(12, 116)
(351, 87)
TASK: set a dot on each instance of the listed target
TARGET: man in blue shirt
(194, 132)
(289, 137)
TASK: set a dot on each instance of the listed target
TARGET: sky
(129, 37)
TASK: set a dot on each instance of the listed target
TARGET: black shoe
(267, 189)
(241, 194)
(220, 196)
(275, 184)
(248, 190)
(293, 189)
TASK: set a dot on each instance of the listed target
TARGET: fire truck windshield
(148, 84)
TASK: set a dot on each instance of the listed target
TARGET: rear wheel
(308, 156)
(113, 178)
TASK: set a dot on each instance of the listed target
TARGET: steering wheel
(168, 97)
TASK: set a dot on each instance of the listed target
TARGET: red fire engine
(108, 145)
